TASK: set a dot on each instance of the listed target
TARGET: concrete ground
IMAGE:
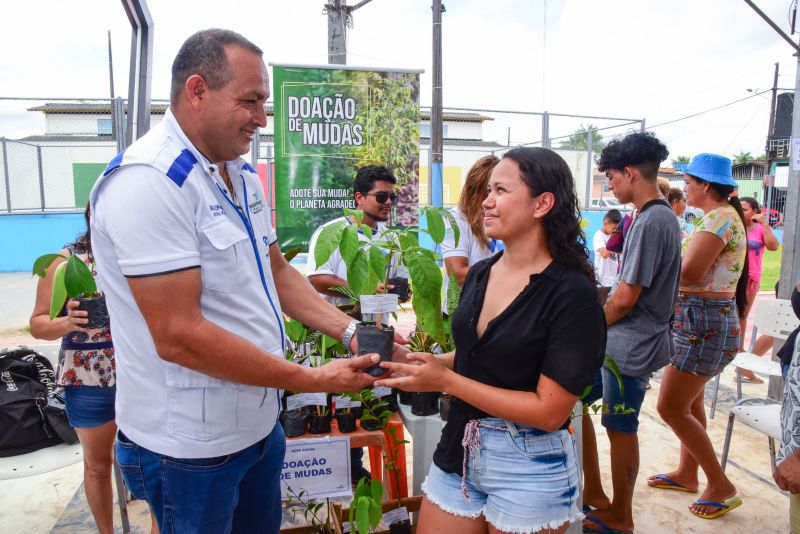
(54, 502)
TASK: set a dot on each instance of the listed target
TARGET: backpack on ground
(26, 381)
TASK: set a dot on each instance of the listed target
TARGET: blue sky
(652, 59)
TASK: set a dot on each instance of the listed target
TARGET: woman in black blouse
(529, 334)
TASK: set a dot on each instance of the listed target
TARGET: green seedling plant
(369, 262)
(71, 279)
(311, 510)
(365, 508)
(617, 409)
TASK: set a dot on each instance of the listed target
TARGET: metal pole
(790, 261)
(8, 179)
(41, 175)
(771, 127)
(545, 130)
(141, 67)
(589, 150)
(644, 126)
(119, 111)
(437, 158)
(337, 32)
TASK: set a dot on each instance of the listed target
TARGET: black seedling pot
(425, 403)
(444, 406)
(295, 422)
(405, 397)
(372, 424)
(347, 422)
(374, 339)
(96, 306)
(391, 401)
(320, 424)
(401, 288)
(401, 527)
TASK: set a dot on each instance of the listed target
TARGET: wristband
(349, 332)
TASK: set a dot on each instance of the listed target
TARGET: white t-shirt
(162, 207)
(336, 265)
(468, 247)
(606, 268)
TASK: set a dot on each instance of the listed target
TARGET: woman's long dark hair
(544, 171)
(724, 193)
(83, 244)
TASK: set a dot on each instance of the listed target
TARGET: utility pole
(771, 127)
(436, 155)
(790, 260)
(339, 19)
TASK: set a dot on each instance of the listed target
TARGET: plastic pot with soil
(374, 339)
(321, 420)
(295, 422)
(95, 305)
(444, 406)
(346, 422)
(401, 288)
(424, 404)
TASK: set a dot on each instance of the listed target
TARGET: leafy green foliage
(71, 279)
(365, 508)
(369, 261)
(311, 510)
(619, 409)
(579, 140)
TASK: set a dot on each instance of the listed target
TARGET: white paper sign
(345, 402)
(394, 516)
(381, 391)
(318, 466)
(294, 402)
(384, 303)
(795, 154)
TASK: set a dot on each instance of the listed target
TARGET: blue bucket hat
(711, 168)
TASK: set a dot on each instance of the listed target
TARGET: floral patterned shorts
(705, 334)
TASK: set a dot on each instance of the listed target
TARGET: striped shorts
(705, 334)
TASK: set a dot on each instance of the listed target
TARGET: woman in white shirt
(473, 245)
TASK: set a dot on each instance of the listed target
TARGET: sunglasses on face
(382, 196)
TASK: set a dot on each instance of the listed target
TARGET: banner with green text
(329, 121)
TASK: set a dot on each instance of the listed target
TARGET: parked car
(608, 203)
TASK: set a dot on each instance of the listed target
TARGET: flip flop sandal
(668, 484)
(724, 507)
(604, 529)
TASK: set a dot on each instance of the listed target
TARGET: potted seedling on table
(295, 420)
(312, 512)
(74, 280)
(370, 262)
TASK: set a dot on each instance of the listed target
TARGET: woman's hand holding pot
(75, 319)
(425, 373)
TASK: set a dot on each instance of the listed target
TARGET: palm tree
(742, 157)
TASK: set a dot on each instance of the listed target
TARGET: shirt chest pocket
(222, 247)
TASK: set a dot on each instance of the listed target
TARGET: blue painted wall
(23, 238)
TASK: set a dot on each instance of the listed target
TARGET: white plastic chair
(773, 318)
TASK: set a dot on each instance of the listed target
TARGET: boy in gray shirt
(638, 311)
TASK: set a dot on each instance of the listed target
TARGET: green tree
(580, 139)
(681, 159)
(742, 157)
(392, 123)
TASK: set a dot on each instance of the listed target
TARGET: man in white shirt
(606, 263)
(196, 284)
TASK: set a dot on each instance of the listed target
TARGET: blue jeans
(635, 388)
(239, 492)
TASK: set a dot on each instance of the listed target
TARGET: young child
(606, 262)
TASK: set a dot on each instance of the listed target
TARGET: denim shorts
(596, 393)
(238, 492)
(616, 401)
(520, 478)
(89, 406)
(705, 333)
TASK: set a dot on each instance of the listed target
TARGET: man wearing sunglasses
(373, 190)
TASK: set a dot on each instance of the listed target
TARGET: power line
(709, 110)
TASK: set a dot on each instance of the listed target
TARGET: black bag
(56, 413)
(26, 379)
